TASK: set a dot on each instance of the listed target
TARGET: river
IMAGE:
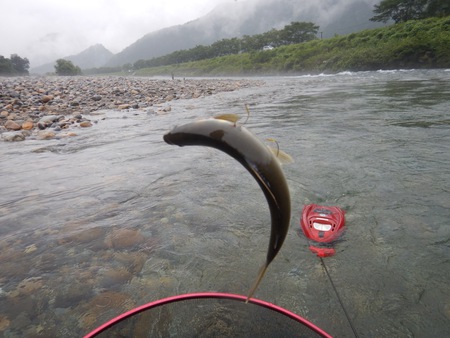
(93, 225)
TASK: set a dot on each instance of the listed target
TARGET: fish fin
(261, 273)
(248, 113)
(228, 117)
(281, 156)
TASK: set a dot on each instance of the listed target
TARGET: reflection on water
(95, 225)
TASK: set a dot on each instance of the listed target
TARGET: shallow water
(94, 225)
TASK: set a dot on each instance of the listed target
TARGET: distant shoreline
(415, 44)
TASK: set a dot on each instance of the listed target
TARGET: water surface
(94, 225)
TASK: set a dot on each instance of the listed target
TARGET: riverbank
(415, 44)
(49, 107)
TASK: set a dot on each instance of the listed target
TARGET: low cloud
(46, 30)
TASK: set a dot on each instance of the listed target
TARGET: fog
(46, 30)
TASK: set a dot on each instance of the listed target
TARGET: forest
(296, 32)
(411, 44)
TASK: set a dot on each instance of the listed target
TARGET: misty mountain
(92, 57)
(238, 18)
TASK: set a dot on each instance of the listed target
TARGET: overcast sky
(42, 30)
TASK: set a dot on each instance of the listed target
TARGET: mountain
(92, 57)
(238, 18)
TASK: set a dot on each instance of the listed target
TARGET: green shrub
(66, 67)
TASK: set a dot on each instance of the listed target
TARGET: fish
(260, 162)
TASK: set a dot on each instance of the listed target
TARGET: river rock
(13, 136)
(46, 98)
(45, 135)
(47, 121)
(11, 125)
(85, 124)
(108, 278)
(42, 100)
(124, 106)
(28, 125)
(124, 238)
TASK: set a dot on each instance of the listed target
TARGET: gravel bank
(49, 107)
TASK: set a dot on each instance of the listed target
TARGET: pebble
(52, 103)
(11, 125)
(85, 124)
(12, 136)
(28, 125)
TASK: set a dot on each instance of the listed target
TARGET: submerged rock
(124, 238)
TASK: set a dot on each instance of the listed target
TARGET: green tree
(66, 67)
(298, 32)
(439, 8)
(404, 10)
(5, 66)
(225, 47)
(20, 65)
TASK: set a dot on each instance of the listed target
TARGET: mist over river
(94, 225)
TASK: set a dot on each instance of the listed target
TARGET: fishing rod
(324, 225)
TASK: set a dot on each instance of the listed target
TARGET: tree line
(18, 66)
(14, 66)
(418, 44)
(295, 32)
(298, 32)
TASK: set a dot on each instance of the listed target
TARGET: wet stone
(28, 125)
(45, 135)
(11, 125)
(46, 98)
(124, 238)
(85, 124)
(12, 136)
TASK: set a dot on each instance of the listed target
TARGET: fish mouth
(167, 139)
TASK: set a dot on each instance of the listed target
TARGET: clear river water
(94, 225)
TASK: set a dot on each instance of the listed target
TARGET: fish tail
(261, 273)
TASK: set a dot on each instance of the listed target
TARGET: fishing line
(335, 290)
(339, 298)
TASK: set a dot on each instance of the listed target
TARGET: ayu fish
(258, 159)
